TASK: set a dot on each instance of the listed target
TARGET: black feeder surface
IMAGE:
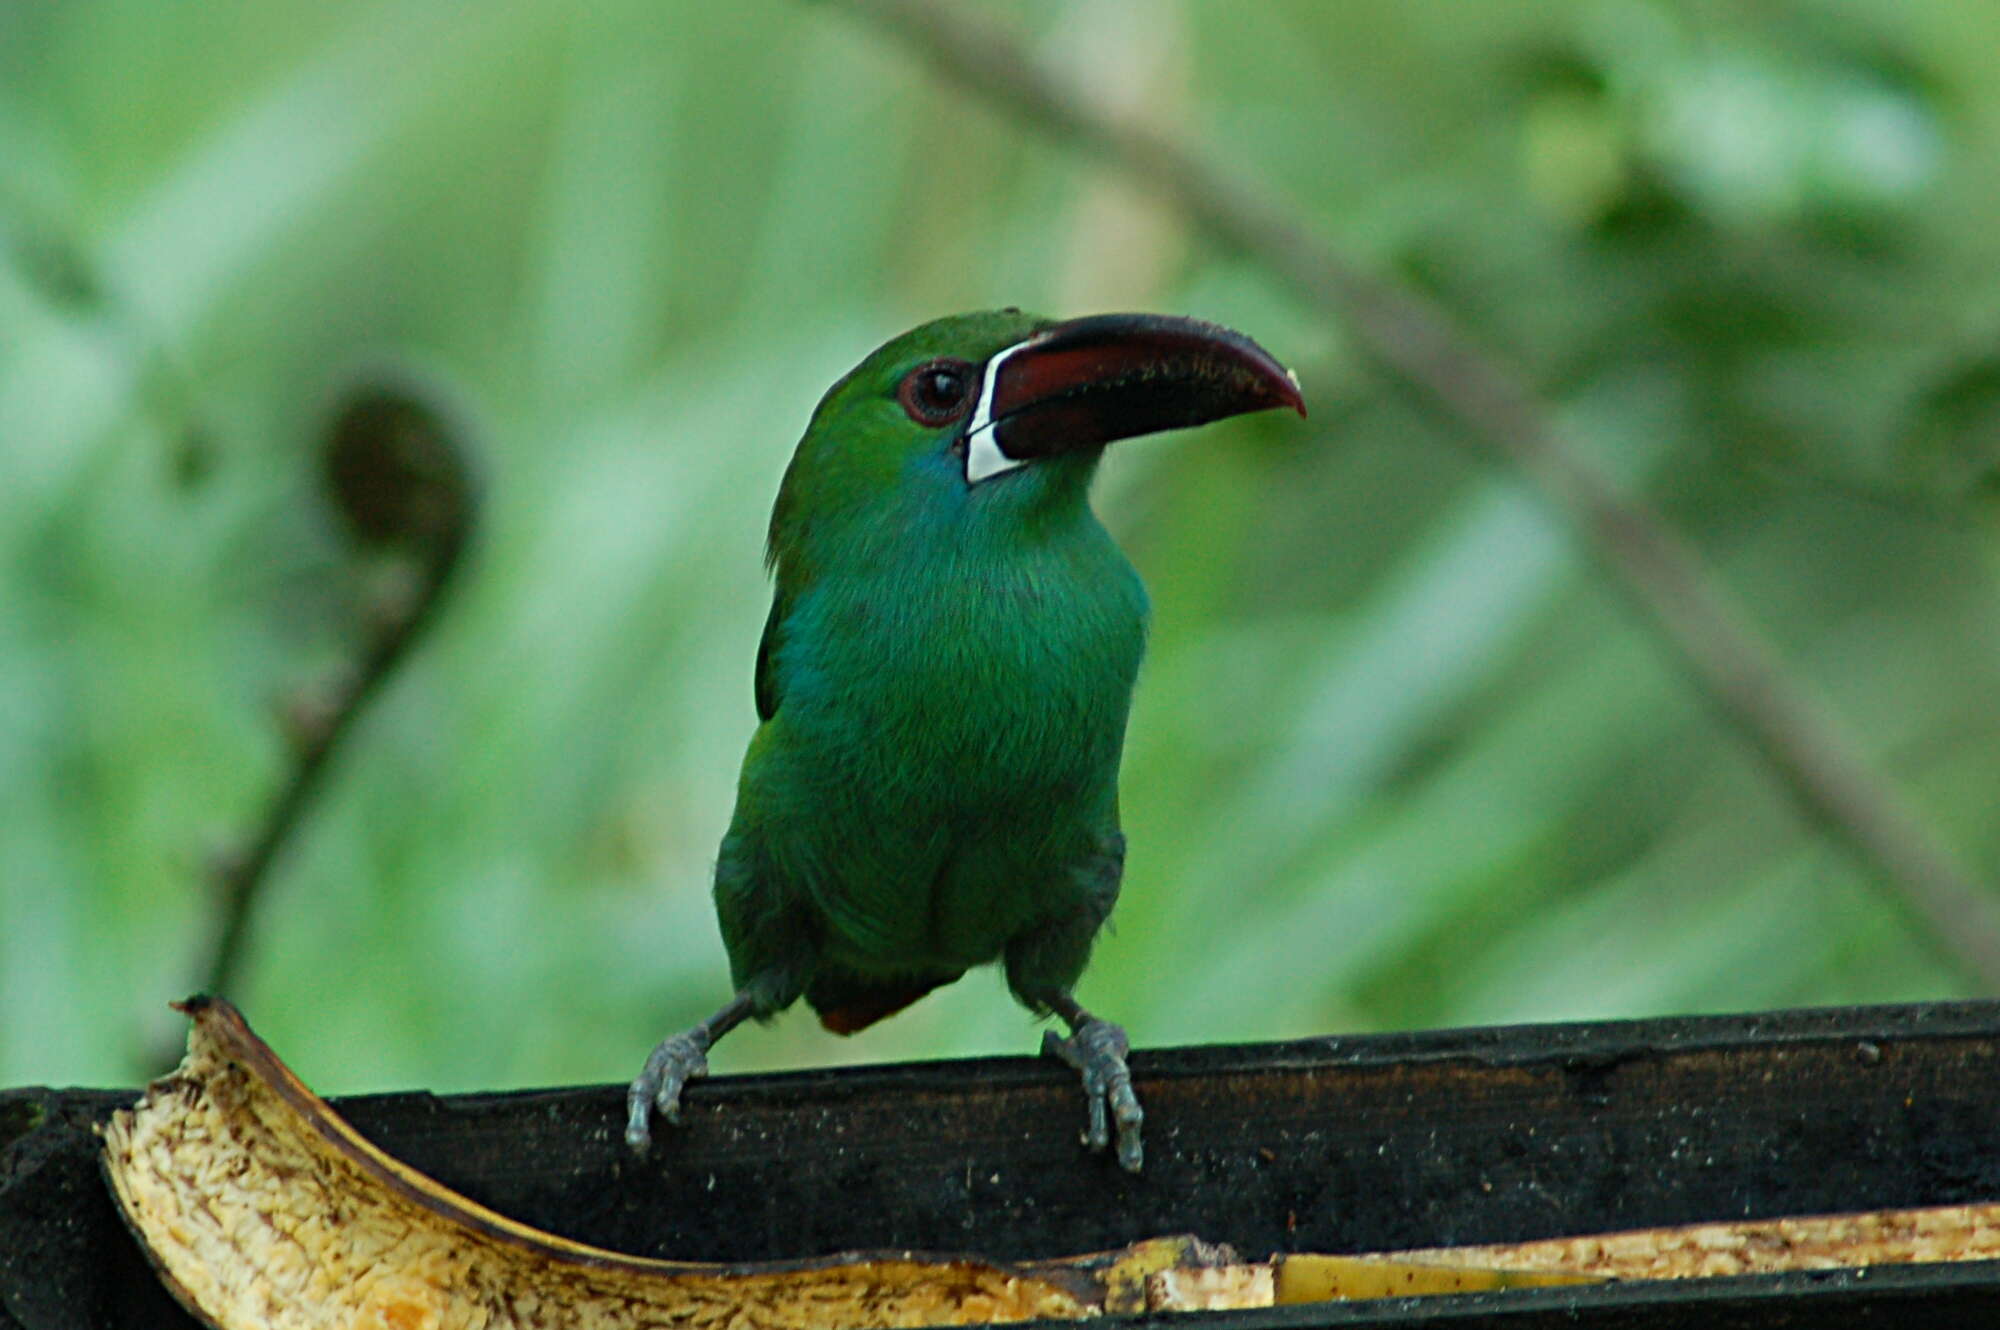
(1324, 1145)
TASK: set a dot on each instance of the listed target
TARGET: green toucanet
(943, 683)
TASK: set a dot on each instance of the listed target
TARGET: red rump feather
(864, 1009)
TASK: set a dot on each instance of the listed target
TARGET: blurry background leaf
(1398, 758)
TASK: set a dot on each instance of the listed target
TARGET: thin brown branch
(401, 482)
(1423, 346)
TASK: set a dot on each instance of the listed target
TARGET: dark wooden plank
(1326, 1145)
(66, 1259)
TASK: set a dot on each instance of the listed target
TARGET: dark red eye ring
(939, 391)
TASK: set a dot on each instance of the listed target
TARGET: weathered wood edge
(1332, 1144)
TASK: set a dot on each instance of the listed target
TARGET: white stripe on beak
(983, 458)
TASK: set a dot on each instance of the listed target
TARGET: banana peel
(260, 1206)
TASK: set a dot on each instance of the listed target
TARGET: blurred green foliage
(1398, 757)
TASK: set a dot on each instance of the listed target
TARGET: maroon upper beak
(1089, 382)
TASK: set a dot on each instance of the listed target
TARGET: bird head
(1001, 410)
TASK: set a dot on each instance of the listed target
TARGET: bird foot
(669, 1068)
(1097, 1050)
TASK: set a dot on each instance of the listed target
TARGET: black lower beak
(1089, 382)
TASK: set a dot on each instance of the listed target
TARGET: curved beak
(1088, 382)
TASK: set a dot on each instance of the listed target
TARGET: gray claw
(669, 1068)
(1097, 1050)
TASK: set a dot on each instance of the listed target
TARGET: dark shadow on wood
(1331, 1145)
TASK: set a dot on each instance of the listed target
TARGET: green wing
(766, 683)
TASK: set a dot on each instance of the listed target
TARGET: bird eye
(936, 392)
